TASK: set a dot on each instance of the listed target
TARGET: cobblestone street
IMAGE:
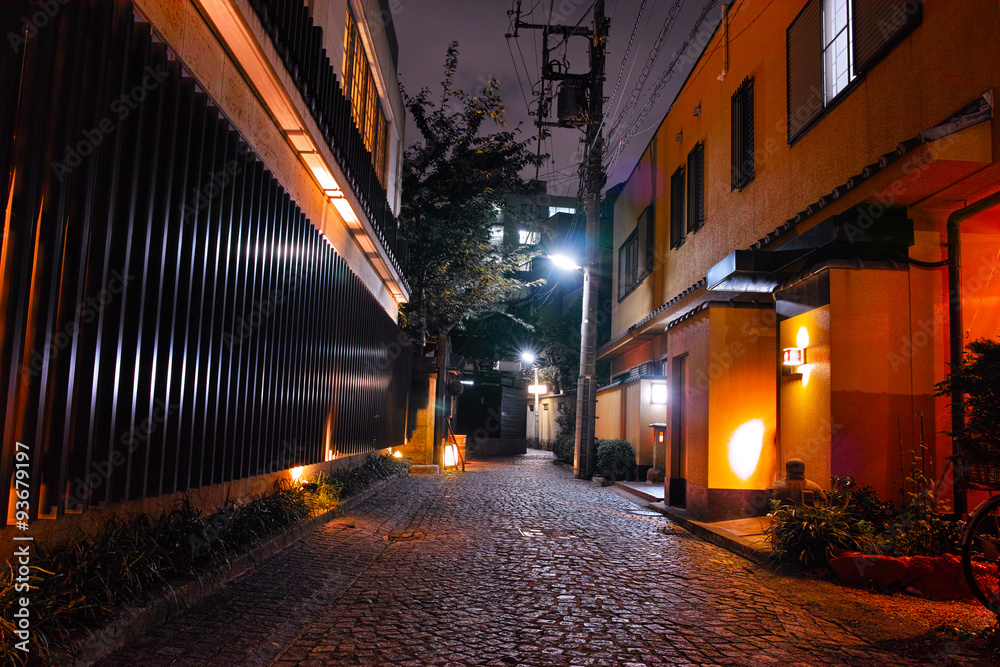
(511, 562)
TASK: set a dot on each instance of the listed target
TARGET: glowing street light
(564, 262)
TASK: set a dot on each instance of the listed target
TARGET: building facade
(200, 270)
(781, 249)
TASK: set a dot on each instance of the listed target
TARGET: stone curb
(738, 545)
(131, 623)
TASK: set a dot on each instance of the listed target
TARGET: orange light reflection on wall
(745, 446)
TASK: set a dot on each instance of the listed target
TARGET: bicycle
(980, 541)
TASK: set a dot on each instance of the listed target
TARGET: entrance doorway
(677, 489)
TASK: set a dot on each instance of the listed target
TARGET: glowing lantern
(296, 473)
(451, 455)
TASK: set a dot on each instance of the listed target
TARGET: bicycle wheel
(981, 553)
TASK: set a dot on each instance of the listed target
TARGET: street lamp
(586, 394)
(564, 262)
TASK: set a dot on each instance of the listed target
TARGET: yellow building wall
(805, 425)
(609, 414)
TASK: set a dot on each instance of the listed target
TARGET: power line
(654, 53)
(662, 82)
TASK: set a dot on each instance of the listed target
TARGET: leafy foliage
(564, 448)
(862, 503)
(980, 381)
(615, 458)
(455, 178)
(808, 535)
(78, 585)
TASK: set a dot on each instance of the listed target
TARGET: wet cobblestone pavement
(512, 562)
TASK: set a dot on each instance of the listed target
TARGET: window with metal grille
(628, 265)
(742, 135)
(696, 188)
(359, 87)
(677, 208)
(831, 42)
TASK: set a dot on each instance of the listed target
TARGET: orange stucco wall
(742, 399)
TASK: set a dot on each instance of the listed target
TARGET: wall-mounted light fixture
(793, 356)
(680, 136)
(697, 111)
(793, 359)
(658, 394)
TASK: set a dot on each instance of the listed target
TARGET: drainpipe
(957, 340)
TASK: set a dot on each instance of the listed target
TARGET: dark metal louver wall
(171, 319)
(299, 42)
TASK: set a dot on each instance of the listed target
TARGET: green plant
(615, 458)
(980, 381)
(564, 448)
(808, 535)
(862, 503)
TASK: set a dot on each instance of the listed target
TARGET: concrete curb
(750, 549)
(131, 623)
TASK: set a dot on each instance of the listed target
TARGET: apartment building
(782, 288)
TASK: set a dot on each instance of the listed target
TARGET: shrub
(979, 381)
(809, 535)
(862, 503)
(565, 448)
(615, 459)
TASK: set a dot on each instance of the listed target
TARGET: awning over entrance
(852, 235)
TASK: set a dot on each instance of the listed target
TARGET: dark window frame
(804, 39)
(678, 223)
(743, 170)
(696, 188)
(628, 265)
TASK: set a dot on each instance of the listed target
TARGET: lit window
(837, 38)
(524, 237)
(831, 42)
(560, 209)
(359, 87)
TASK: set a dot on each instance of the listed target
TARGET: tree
(455, 178)
(980, 381)
(455, 181)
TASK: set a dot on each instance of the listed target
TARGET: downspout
(957, 338)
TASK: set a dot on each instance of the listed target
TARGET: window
(560, 209)
(677, 208)
(837, 34)
(742, 135)
(524, 237)
(831, 42)
(359, 87)
(696, 188)
(496, 235)
(628, 265)
(636, 255)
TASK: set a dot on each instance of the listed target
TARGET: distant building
(779, 287)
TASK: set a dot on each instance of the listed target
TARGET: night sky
(424, 29)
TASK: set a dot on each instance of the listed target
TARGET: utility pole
(590, 119)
